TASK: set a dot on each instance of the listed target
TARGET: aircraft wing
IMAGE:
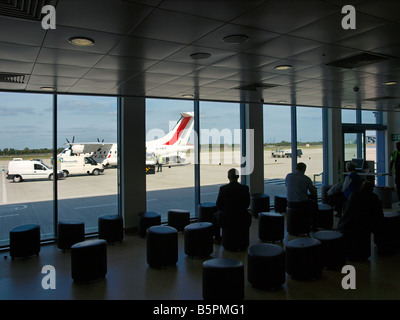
(88, 147)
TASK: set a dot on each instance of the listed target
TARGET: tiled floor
(129, 277)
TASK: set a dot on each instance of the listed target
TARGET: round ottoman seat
(162, 246)
(266, 266)
(280, 203)
(198, 239)
(386, 237)
(178, 219)
(111, 228)
(333, 248)
(206, 211)
(69, 232)
(325, 216)
(271, 226)
(89, 260)
(25, 241)
(259, 202)
(298, 221)
(146, 220)
(223, 279)
(303, 259)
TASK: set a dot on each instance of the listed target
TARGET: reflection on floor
(129, 276)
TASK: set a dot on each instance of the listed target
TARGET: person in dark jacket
(363, 211)
(233, 202)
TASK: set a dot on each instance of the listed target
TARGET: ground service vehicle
(19, 170)
(79, 165)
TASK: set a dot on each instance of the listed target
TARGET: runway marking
(10, 215)
(96, 206)
(3, 178)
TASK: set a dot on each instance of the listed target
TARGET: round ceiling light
(235, 38)
(47, 88)
(283, 67)
(200, 55)
(81, 41)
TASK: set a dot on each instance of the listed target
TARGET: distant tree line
(25, 151)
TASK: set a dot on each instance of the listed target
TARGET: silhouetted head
(367, 186)
(233, 175)
(350, 166)
(301, 167)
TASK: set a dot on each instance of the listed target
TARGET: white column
(132, 159)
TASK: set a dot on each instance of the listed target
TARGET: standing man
(159, 163)
(233, 202)
(298, 185)
(395, 161)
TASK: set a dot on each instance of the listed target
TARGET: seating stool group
(259, 202)
(271, 226)
(333, 251)
(178, 218)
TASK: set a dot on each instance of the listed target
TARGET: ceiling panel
(144, 48)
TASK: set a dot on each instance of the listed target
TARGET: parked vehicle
(79, 165)
(288, 153)
(19, 170)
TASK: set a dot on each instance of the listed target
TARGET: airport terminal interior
(199, 87)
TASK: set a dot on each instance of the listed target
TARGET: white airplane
(172, 147)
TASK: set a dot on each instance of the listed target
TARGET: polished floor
(129, 277)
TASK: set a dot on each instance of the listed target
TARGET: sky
(26, 119)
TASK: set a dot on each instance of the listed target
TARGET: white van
(19, 170)
(79, 165)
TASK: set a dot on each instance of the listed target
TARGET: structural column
(132, 159)
(334, 150)
(252, 146)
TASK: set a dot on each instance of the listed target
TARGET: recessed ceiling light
(200, 55)
(390, 83)
(47, 88)
(187, 96)
(235, 38)
(282, 101)
(348, 106)
(81, 41)
(283, 67)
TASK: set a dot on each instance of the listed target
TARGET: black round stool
(178, 219)
(223, 279)
(111, 228)
(198, 239)
(25, 241)
(333, 248)
(324, 216)
(266, 266)
(303, 259)
(89, 260)
(69, 232)
(259, 202)
(206, 211)
(235, 238)
(358, 245)
(146, 220)
(280, 203)
(271, 226)
(162, 246)
(386, 238)
(298, 221)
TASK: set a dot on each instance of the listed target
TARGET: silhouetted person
(395, 161)
(352, 182)
(233, 202)
(301, 193)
